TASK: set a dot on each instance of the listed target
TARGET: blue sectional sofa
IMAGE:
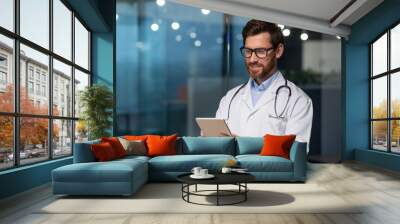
(125, 176)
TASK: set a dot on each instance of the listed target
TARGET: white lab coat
(248, 120)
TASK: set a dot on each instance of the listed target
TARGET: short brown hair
(254, 27)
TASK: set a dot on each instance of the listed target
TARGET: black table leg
(217, 194)
(245, 193)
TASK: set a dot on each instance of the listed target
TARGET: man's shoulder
(235, 89)
(298, 91)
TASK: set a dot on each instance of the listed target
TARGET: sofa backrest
(83, 152)
(249, 145)
(206, 145)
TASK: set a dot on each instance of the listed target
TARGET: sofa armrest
(83, 152)
(298, 155)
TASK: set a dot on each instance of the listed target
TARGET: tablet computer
(213, 127)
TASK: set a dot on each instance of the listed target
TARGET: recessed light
(286, 32)
(205, 11)
(304, 36)
(154, 27)
(175, 25)
(160, 2)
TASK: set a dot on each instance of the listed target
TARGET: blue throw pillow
(249, 145)
(208, 145)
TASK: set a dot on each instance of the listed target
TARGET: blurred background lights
(160, 2)
(154, 27)
(205, 11)
(175, 25)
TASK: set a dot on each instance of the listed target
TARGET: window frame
(388, 74)
(16, 114)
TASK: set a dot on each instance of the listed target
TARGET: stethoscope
(276, 116)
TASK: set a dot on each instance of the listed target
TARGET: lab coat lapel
(269, 94)
(246, 96)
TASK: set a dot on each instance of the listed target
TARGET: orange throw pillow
(103, 151)
(116, 145)
(275, 145)
(135, 137)
(161, 145)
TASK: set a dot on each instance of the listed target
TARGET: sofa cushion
(257, 163)
(277, 145)
(208, 145)
(135, 147)
(249, 145)
(83, 152)
(116, 145)
(161, 145)
(185, 163)
(111, 171)
(103, 152)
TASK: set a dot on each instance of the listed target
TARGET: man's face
(261, 68)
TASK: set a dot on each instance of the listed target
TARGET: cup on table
(226, 170)
(203, 172)
(196, 171)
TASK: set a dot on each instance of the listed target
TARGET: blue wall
(24, 178)
(357, 83)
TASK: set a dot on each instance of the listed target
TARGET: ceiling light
(304, 36)
(197, 43)
(286, 32)
(281, 26)
(338, 37)
(154, 27)
(193, 35)
(160, 2)
(205, 11)
(175, 25)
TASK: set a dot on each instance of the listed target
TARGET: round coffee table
(238, 179)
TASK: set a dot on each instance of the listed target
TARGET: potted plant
(96, 102)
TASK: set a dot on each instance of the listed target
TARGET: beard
(259, 71)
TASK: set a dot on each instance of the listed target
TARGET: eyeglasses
(260, 52)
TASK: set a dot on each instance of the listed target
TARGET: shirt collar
(264, 85)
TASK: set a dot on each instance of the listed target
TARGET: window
(62, 74)
(30, 72)
(35, 21)
(30, 87)
(385, 94)
(37, 89)
(6, 73)
(3, 61)
(37, 74)
(45, 131)
(81, 45)
(62, 29)
(3, 78)
(44, 91)
(7, 14)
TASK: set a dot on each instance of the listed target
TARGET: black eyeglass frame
(255, 51)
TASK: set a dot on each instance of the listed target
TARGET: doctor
(268, 103)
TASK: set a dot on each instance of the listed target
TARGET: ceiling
(325, 16)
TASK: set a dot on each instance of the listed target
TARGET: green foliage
(97, 104)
